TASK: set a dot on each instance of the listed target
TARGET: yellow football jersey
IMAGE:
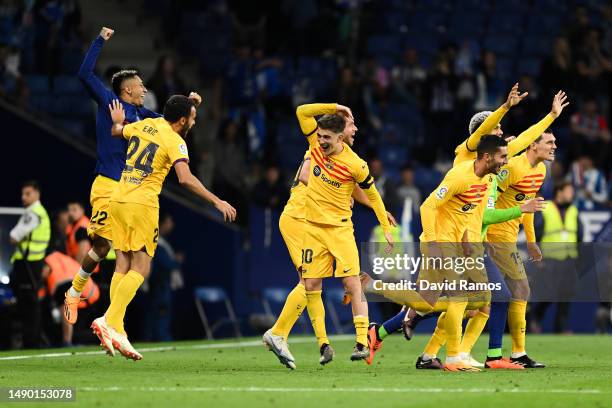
(297, 200)
(331, 183)
(456, 201)
(153, 148)
(518, 181)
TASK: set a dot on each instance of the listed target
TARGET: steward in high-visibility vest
(31, 237)
(560, 234)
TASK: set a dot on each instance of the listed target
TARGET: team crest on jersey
(503, 174)
(316, 171)
(329, 165)
(183, 149)
(441, 192)
(468, 207)
(519, 197)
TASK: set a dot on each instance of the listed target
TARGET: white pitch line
(340, 389)
(238, 344)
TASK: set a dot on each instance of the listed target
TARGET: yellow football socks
(316, 312)
(452, 325)
(517, 324)
(438, 339)
(78, 282)
(124, 293)
(114, 283)
(473, 330)
(292, 310)
(361, 329)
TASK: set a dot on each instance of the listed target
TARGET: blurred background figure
(589, 183)
(31, 237)
(559, 231)
(165, 277)
(271, 192)
(57, 273)
(77, 241)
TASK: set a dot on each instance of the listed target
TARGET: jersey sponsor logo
(316, 170)
(183, 149)
(331, 182)
(503, 174)
(491, 203)
(441, 192)
(468, 207)
(519, 197)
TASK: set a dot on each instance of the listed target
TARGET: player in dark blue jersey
(128, 88)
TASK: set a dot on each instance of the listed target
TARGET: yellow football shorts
(99, 198)
(135, 227)
(292, 230)
(508, 259)
(321, 245)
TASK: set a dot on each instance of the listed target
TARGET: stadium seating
(208, 294)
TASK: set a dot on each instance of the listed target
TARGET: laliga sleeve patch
(183, 149)
(441, 192)
(491, 203)
(503, 174)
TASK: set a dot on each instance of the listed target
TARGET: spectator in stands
(589, 183)
(441, 103)
(488, 83)
(593, 65)
(230, 167)
(383, 183)
(408, 79)
(77, 240)
(271, 192)
(375, 91)
(165, 277)
(590, 133)
(165, 80)
(58, 235)
(557, 71)
(48, 17)
(349, 91)
(12, 84)
(407, 189)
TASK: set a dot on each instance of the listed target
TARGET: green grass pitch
(224, 373)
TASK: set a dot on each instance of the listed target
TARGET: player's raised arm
(306, 115)
(528, 136)
(486, 127)
(191, 183)
(117, 116)
(86, 74)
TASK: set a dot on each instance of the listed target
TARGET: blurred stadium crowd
(412, 71)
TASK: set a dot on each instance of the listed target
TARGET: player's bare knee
(313, 284)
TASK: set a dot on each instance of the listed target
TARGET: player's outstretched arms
(86, 73)
(528, 136)
(191, 183)
(117, 116)
(489, 124)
